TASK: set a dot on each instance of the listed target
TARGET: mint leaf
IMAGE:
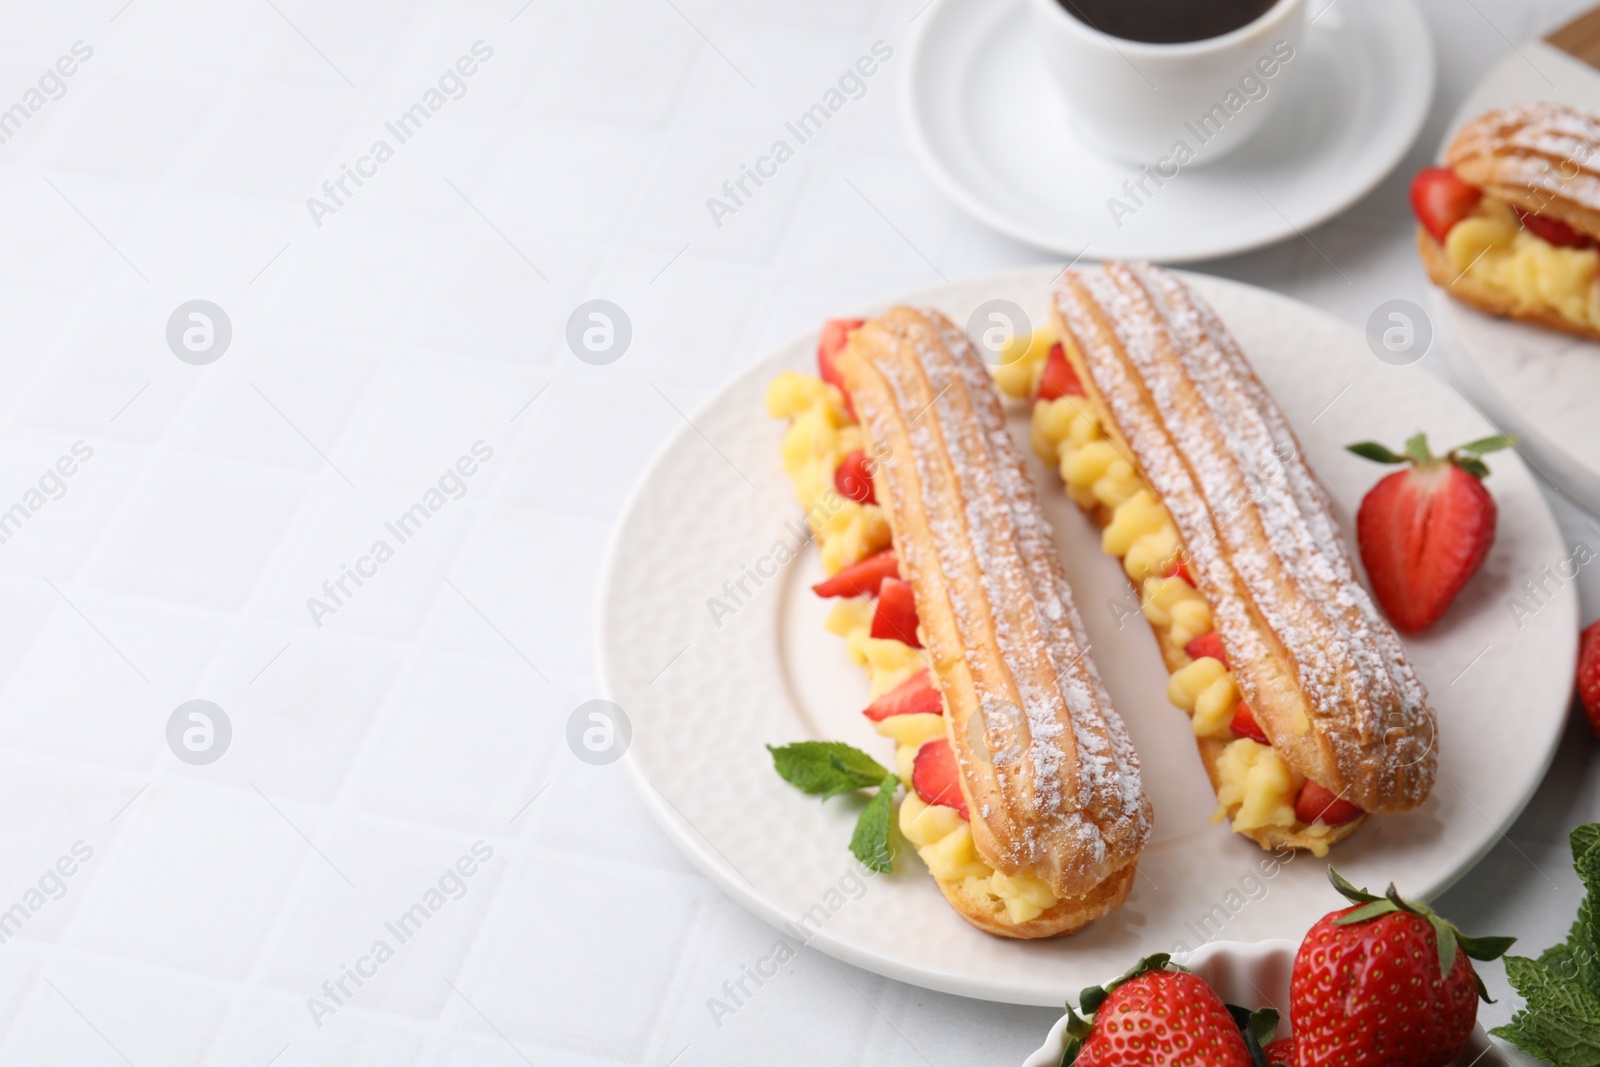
(1374, 451)
(1583, 838)
(870, 842)
(1561, 1022)
(1584, 940)
(826, 768)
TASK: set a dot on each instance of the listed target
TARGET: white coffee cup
(1137, 101)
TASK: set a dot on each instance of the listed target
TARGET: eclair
(1509, 224)
(1307, 713)
(1023, 793)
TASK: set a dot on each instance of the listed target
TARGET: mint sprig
(830, 768)
(1560, 1019)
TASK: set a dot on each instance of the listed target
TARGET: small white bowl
(1257, 976)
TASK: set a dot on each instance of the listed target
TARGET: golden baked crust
(1060, 799)
(1541, 157)
(1325, 675)
(1488, 298)
(1062, 919)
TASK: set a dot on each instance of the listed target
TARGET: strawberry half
(1207, 644)
(853, 479)
(896, 616)
(1425, 531)
(1440, 200)
(1059, 379)
(1553, 231)
(936, 778)
(1153, 1017)
(1244, 724)
(864, 577)
(917, 695)
(1319, 804)
(1342, 994)
(1589, 675)
(835, 332)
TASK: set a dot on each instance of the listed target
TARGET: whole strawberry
(1425, 531)
(1385, 983)
(1589, 674)
(1154, 1017)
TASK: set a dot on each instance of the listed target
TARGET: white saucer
(1536, 383)
(714, 516)
(990, 126)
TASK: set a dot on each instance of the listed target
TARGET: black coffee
(1166, 21)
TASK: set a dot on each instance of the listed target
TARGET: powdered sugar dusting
(1061, 796)
(1259, 531)
(1543, 146)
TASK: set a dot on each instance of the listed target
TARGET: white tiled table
(369, 353)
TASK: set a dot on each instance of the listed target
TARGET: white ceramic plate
(1257, 976)
(704, 699)
(1539, 384)
(992, 129)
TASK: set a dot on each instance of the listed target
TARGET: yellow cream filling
(820, 434)
(1258, 789)
(1492, 247)
(1142, 534)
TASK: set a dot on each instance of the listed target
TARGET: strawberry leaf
(1263, 1025)
(1445, 935)
(1374, 451)
(1348, 891)
(1252, 1045)
(1484, 445)
(870, 842)
(1484, 948)
(1078, 1030)
(1365, 912)
(1417, 448)
(1472, 465)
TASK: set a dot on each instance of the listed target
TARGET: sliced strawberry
(1589, 675)
(1440, 200)
(854, 480)
(1059, 379)
(936, 778)
(835, 332)
(1244, 724)
(896, 616)
(865, 577)
(1178, 568)
(1425, 531)
(1553, 231)
(917, 695)
(1316, 804)
(1209, 644)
